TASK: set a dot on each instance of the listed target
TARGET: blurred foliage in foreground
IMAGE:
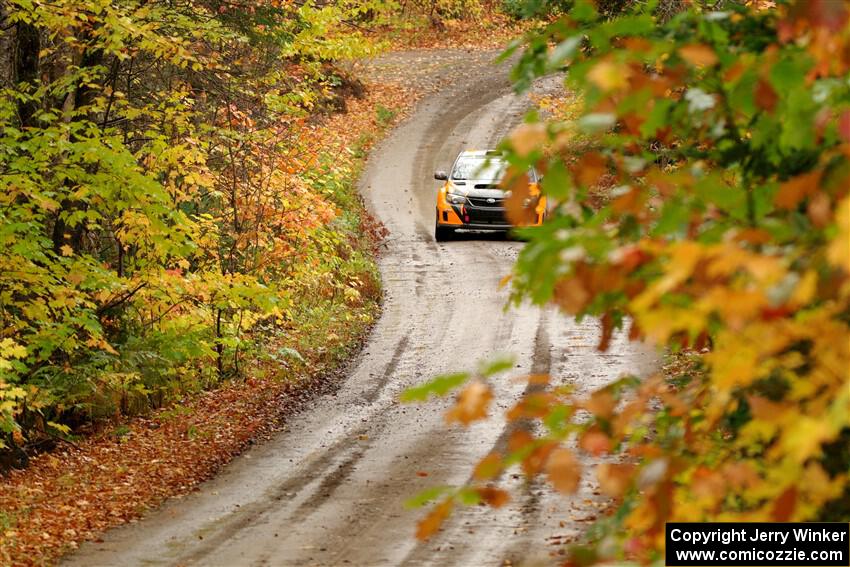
(702, 201)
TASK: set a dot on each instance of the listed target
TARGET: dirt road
(329, 489)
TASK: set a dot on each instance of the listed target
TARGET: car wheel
(443, 233)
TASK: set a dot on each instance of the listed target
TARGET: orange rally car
(472, 199)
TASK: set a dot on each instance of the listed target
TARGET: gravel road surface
(329, 489)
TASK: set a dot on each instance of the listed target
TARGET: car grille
(487, 216)
(482, 202)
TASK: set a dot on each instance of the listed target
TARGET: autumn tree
(153, 201)
(700, 168)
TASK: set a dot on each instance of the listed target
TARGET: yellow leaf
(839, 248)
(805, 290)
(608, 75)
(804, 437)
(66, 250)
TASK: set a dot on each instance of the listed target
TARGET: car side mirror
(441, 175)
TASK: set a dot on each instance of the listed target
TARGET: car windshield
(484, 168)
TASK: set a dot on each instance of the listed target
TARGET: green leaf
(492, 367)
(468, 496)
(439, 386)
(557, 183)
(426, 496)
(563, 51)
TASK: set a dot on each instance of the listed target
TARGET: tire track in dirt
(329, 490)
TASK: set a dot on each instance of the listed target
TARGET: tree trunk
(27, 47)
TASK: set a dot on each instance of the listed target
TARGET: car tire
(443, 233)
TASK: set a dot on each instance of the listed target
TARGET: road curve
(328, 490)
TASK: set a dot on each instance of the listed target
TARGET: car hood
(478, 188)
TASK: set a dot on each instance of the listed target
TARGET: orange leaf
(595, 442)
(708, 484)
(820, 210)
(429, 525)
(601, 404)
(519, 440)
(740, 475)
(536, 460)
(784, 506)
(796, 189)
(538, 379)
(563, 470)
(589, 169)
(637, 44)
(520, 204)
(471, 404)
(528, 137)
(607, 331)
(532, 405)
(571, 295)
(614, 478)
(844, 125)
(629, 202)
(764, 409)
(698, 55)
(766, 97)
(493, 496)
(734, 72)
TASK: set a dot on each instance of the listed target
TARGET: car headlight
(454, 199)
